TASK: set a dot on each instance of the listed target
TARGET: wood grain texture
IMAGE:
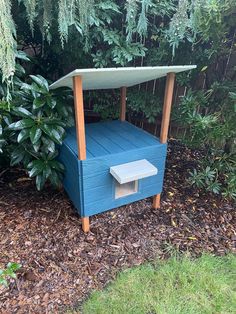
(85, 224)
(123, 91)
(105, 138)
(79, 116)
(156, 203)
(170, 81)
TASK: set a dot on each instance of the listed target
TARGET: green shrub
(209, 121)
(216, 174)
(33, 125)
(8, 272)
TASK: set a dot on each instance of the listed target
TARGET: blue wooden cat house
(113, 163)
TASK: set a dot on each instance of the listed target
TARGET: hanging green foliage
(7, 40)
(30, 6)
(131, 15)
(179, 25)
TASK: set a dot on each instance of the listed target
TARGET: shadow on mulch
(61, 265)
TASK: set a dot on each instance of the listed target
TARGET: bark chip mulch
(61, 265)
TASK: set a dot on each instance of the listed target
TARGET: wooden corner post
(80, 130)
(170, 82)
(122, 103)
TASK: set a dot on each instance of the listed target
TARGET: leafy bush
(8, 272)
(33, 125)
(216, 174)
(144, 104)
(209, 121)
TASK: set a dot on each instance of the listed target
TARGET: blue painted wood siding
(89, 183)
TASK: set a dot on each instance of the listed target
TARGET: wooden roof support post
(122, 103)
(170, 81)
(80, 130)
(79, 116)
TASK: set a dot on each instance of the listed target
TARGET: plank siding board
(72, 180)
(143, 135)
(133, 134)
(92, 182)
(101, 192)
(71, 142)
(111, 137)
(102, 164)
(103, 139)
(95, 147)
(99, 185)
(106, 204)
(115, 134)
(125, 135)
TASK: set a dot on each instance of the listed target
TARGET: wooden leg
(85, 224)
(156, 201)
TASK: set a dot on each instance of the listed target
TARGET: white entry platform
(132, 171)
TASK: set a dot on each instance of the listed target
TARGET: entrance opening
(126, 189)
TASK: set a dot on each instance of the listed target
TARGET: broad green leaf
(22, 124)
(52, 156)
(27, 87)
(50, 145)
(35, 134)
(19, 70)
(47, 171)
(55, 179)
(23, 135)
(13, 266)
(38, 166)
(41, 81)
(7, 119)
(39, 102)
(40, 181)
(21, 55)
(51, 102)
(18, 155)
(52, 133)
(22, 112)
(36, 146)
(57, 165)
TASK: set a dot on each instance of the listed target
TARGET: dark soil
(61, 265)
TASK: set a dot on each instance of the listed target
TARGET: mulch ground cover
(61, 265)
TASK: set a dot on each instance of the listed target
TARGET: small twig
(2, 172)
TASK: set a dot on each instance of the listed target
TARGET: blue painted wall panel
(89, 183)
(72, 180)
(99, 185)
(107, 192)
(97, 165)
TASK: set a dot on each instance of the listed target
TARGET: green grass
(178, 285)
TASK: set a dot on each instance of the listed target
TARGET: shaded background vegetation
(59, 36)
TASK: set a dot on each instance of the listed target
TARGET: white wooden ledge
(132, 171)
